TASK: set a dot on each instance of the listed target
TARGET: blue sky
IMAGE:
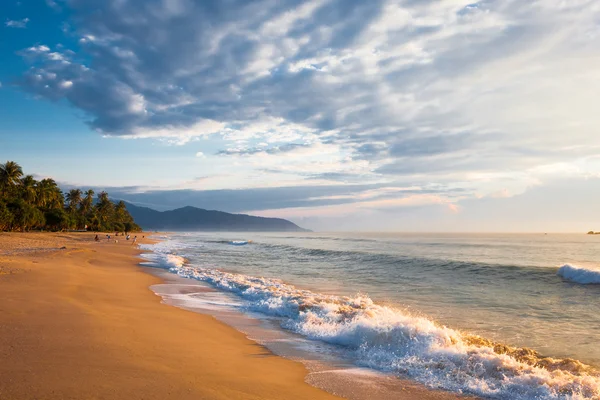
(338, 114)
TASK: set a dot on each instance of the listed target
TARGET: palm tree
(103, 197)
(105, 209)
(87, 202)
(86, 208)
(10, 175)
(49, 195)
(120, 211)
(73, 199)
(77, 219)
(28, 189)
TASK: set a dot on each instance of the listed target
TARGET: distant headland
(197, 219)
(593, 233)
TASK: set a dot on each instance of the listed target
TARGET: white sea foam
(164, 260)
(387, 339)
(163, 255)
(579, 274)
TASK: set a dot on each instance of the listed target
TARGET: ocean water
(498, 316)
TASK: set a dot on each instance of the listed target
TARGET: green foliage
(119, 227)
(57, 219)
(6, 217)
(73, 199)
(131, 227)
(27, 204)
(10, 176)
(25, 216)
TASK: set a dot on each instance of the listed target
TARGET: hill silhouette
(197, 219)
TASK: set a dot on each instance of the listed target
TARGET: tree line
(28, 204)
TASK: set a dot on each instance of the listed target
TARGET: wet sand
(81, 323)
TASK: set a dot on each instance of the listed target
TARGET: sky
(380, 115)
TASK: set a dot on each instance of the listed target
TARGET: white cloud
(55, 56)
(19, 23)
(39, 49)
(364, 208)
(87, 39)
(52, 4)
(179, 135)
(500, 193)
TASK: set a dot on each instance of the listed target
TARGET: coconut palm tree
(120, 211)
(87, 202)
(10, 175)
(76, 218)
(28, 189)
(105, 211)
(49, 195)
(103, 197)
(73, 199)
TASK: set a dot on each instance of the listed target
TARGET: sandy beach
(78, 321)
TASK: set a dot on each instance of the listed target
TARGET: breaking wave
(162, 255)
(392, 340)
(581, 275)
(163, 260)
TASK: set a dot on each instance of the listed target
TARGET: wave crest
(162, 255)
(581, 275)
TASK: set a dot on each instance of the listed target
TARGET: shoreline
(336, 376)
(83, 322)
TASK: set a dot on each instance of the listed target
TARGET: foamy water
(389, 336)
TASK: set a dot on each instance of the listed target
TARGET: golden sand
(80, 323)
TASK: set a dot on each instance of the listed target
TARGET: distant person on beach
(97, 239)
(134, 240)
(127, 237)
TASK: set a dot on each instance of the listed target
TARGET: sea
(502, 316)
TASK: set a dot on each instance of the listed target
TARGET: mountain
(197, 219)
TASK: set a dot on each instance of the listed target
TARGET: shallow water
(420, 297)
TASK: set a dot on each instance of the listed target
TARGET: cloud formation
(365, 196)
(17, 23)
(484, 95)
(562, 203)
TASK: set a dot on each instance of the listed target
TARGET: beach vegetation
(5, 217)
(10, 175)
(28, 204)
